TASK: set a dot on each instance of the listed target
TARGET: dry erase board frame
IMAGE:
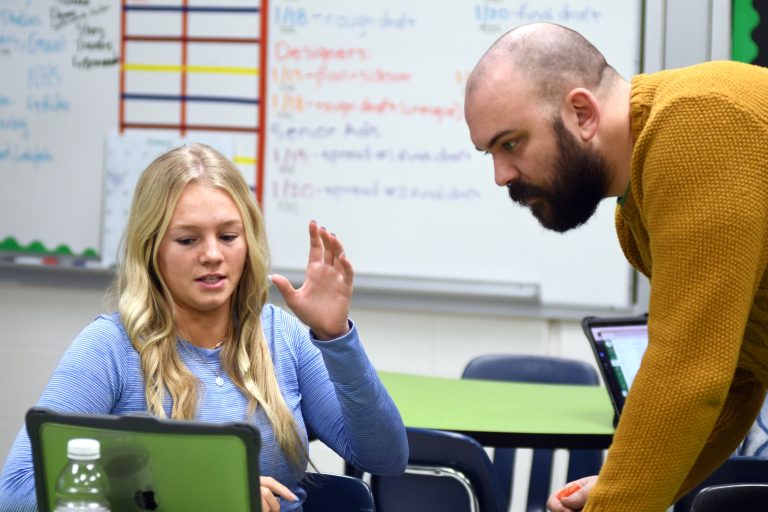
(397, 179)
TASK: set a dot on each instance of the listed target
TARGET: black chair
(732, 497)
(337, 493)
(538, 369)
(447, 472)
(735, 470)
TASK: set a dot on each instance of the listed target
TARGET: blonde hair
(146, 307)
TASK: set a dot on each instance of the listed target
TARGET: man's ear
(582, 105)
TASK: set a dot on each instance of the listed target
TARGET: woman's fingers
(329, 255)
(345, 267)
(268, 501)
(270, 490)
(340, 261)
(332, 248)
(324, 246)
(277, 488)
(315, 243)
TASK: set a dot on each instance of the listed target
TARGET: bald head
(551, 58)
(554, 116)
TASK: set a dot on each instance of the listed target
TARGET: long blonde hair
(146, 306)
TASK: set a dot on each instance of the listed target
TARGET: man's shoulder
(728, 81)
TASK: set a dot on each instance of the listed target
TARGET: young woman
(195, 339)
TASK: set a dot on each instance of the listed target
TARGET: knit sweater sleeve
(703, 203)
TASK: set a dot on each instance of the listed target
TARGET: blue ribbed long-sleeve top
(330, 387)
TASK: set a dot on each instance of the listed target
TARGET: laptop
(618, 344)
(153, 463)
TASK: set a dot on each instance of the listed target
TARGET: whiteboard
(58, 99)
(62, 98)
(364, 132)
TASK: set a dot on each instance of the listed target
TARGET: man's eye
(509, 145)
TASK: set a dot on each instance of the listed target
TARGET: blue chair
(735, 470)
(539, 369)
(741, 497)
(447, 472)
(337, 493)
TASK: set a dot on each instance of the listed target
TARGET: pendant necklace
(219, 379)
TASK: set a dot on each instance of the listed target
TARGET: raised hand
(322, 302)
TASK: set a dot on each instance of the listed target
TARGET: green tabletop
(505, 413)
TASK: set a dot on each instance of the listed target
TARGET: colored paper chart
(195, 70)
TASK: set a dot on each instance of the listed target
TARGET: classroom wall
(41, 312)
(40, 319)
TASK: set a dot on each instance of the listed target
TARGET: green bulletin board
(749, 34)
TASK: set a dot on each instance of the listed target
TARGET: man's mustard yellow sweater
(695, 221)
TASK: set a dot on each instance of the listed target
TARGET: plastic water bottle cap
(83, 449)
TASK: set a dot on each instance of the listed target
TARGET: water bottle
(82, 485)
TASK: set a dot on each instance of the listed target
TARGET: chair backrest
(735, 470)
(338, 493)
(446, 471)
(737, 497)
(546, 370)
(525, 368)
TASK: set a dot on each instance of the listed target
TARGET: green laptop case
(152, 463)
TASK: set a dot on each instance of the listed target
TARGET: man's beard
(579, 183)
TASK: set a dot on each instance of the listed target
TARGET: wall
(40, 313)
(39, 321)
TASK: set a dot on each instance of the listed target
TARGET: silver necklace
(219, 380)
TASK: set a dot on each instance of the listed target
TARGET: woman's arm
(347, 407)
(86, 380)
(342, 399)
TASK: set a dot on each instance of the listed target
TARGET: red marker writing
(568, 490)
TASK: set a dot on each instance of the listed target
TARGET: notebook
(151, 463)
(618, 345)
